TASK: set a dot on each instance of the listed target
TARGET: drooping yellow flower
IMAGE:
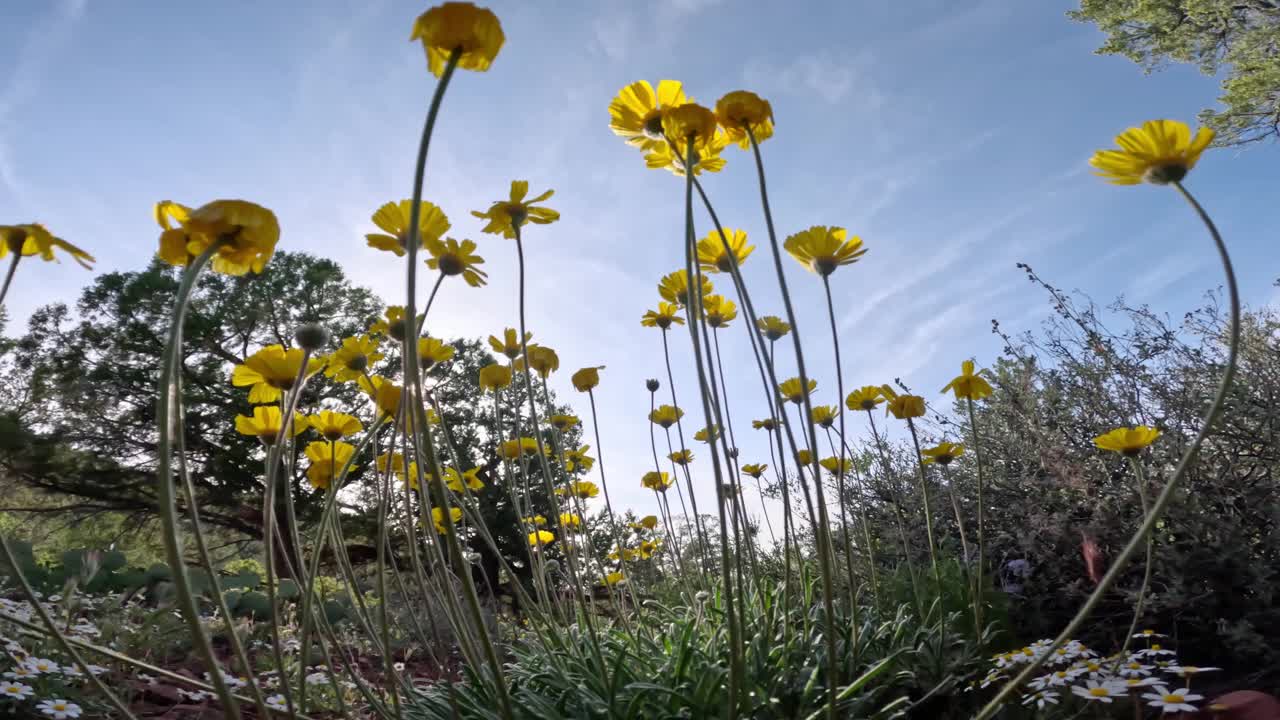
(824, 415)
(942, 453)
(265, 423)
(903, 407)
(793, 390)
(674, 287)
(719, 310)
(615, 578)
(822, 249)
(575, 460)
(432, 351)
(334, 425)
(505, 216)
(681, 457)
(636, 112)
(1159, 152)
(665, 415)
(513, 449)
(534, 520)
(741, 111)
(969, 385)
(537, 538)
(584, 489)
(648, 522)
(707, 434)
(663, 317)
(570, 520)
(689, 122)
(773, 327)
(495, 377)
(586, 379)
(656, 481)
(172, 218)
(509, 344)
(866, 397)
(837, 466)
(455, 480)
(327, 459)
(767, 424)
(437, 517)
(541, 359)
(271, 371)
(353, 358)
(451, 257)
(393, 219)
(712, 255)
(804, 457)
(754, 470)
(386, 394)
(563, 422)
(34, 239)
(473, 32)
(246, 235)
(706, 157)
(648, 548)
(1127, 441)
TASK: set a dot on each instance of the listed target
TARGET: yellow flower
(866, 397)
(509, 345)
(837, 466)
(822, 249)
(705, 157)
(505, 216)
(386, 394)
(666, 314)
(474, 32)
(656, 481)
(648, 522)
(707, 434)
(712, 255)
(171, 217)
(392, 323)
(719, 310)
(681, 457)
(755, 470)
(1159, 152)
(584, 489)
(246, 235)
(534, 520)
(689, 121)
(394, 459)
(437, 517)
(740, 111)
(334, 425)
(674, 288)
(393, 219)
(453, 258)
(272, 370)
(432, 351)
(578, 459)
(636, 112)
(903, 407)
(265, 423)
(647, 548)
(327, 458)
(824, 415)
(1128, 441)
(773, 327)
(791, 389)
(495, 377)
(968, 385)
(563, 422)
(455, 481)
(665, 415)
(35, 239)
(614, 578)
(570, 520)
(942, 453)
(586, 378)
(541, 359)
(767, 424)
(352, 360)
(541, 537)
(512, 449)
(804, 457)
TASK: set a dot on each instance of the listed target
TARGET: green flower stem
(1140, 477)
(735, 475)
(861, 489)
(168, 425)
(608, 506)
(928, 504)
(980, 589)
(693, 499)
(8, 277)
(964, 540)
(896, 501)
(1139, 538)
(676, 553)
(684, 511)
(695, 314)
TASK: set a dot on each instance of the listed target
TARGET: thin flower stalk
(1139, 538)
(1140, 477)
(928, 505)
(980, 586)
(895, 500)
(608, 506)
(8, 277)
(693, 498)
(664, 506)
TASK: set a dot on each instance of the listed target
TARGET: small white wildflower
(1042, 698)
(195, 695)
(1148, 634)
(277, 702)
(59, 709)
(317, 678)
(15, 690)
(1188, 670)
(1173, 700)
(1098, 691)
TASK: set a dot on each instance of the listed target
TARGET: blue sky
(952, 136)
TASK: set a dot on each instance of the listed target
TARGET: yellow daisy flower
(586, 379)
(674, 287)
(353, 358)
(706, 157)
(792, 389)
(712, 255)
(538, 538)
(824, 415)
(773, 327)
(681, 457)
(663, 317)
(35, 239)
(665, 415)
(386, 395)
(636, 112)
(866, 397)
(474, 32)
(265, 423)
(614, 578)
(541, 359)
(837, 466)
(513, 449)
(327, 458)
(822, 249)
(706, 435)
(740, 111)
(719, 310)
(754, 470)
(648, 522)
(584, 489)
(334, 425)
(271, 371)
(1127, 441)
(393, 219)
(453, 258)
(968, 385)
(767, 424)
(563, 422)
(575, 460)
(246, 235)
(1159, 152)
(509, 344)
(432, 351)
(570, 520)
(470, 478)
(804, 457)
(505, 216)
(942, 453)
(903, 407)
(437, 517)
(495, 377)
(656, 481)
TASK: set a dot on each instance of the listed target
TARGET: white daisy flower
(1042, 698)
(986, 681)
(43, 666)
(1188, 670)
(15, 690)
(97, 669)
(1156, 649)
(72, 671)
(1152, 682)
(1099, 691)
(22, 672)
(1148, 634)
(1134, 669)
(1173, 700)
(195, 695)
(317, 678)
(59, 709)
(277, 702)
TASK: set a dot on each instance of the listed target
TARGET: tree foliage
(1240, 38)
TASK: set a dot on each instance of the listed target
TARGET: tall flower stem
(657, 467)
(693, 499)
(608, 505)
(1140, 477)
(1139, 538)
(705, 395)
(822, 532)
(928, 505)
(980, 585)
(895, 499)
(8, 276)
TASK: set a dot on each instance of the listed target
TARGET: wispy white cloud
(827, 75)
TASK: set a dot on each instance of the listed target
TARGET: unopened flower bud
(652, 384)
(311, 336)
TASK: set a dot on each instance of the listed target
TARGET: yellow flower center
(1173, 698)
(1099, 692)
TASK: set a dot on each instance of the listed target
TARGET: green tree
(1240, 38)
